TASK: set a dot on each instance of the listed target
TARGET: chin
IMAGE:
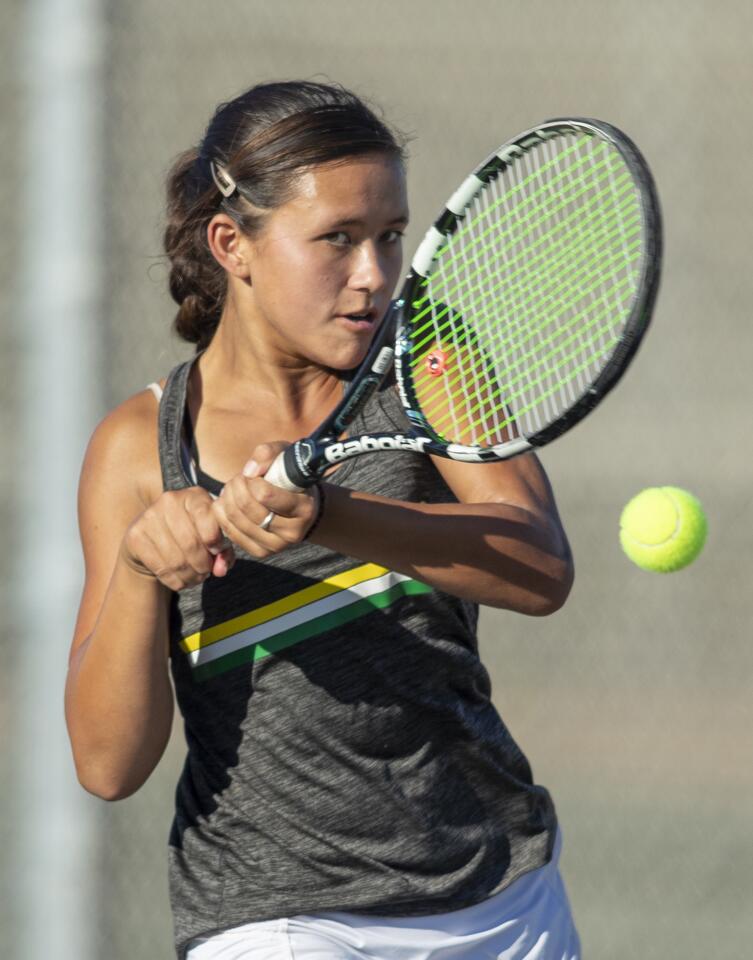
(345, 371)
(346, 358)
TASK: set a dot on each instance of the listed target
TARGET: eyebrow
(355, 222)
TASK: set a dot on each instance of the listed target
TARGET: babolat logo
(350, 448)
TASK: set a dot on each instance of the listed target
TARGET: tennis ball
(663, 529)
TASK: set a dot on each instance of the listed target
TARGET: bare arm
(118, 696)
(501, 545)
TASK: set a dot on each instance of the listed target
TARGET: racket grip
(284, 473)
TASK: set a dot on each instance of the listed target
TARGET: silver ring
(267, 520)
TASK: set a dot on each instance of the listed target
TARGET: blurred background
(634, 702)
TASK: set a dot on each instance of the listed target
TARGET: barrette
(223, 181)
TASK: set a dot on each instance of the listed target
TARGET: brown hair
(264, 139)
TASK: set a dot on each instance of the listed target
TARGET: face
(325, 263)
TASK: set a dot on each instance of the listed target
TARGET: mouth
(360, 320)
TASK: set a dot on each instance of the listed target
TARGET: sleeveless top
(343, 750)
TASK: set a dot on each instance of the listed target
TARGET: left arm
(502, 545)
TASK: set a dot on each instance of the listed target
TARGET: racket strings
(516, 286)
(529, 296)
(519, 285)
(522, 266)
(542, 210)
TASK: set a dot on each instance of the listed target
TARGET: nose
(370, 270)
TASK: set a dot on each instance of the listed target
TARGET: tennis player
(349, 789)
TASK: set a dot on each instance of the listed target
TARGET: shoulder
(123, 450)
(120, 478)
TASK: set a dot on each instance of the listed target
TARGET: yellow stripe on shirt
(270, 611)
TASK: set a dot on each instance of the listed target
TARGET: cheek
(396, 267)
(309, 289)
(295, 284)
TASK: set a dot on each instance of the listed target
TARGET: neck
(241, 371)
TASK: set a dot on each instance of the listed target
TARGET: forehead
(351, 189)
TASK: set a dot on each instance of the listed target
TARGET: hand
(178, 540)
(247, 500)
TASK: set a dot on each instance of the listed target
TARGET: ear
(229, 245)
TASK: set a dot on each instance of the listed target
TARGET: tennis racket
(524, 305)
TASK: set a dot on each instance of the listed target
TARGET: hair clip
(222, 179)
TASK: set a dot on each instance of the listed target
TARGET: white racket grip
(278, 477)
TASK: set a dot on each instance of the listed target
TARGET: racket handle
(284, 472)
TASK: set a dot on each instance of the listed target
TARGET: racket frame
(303, 463)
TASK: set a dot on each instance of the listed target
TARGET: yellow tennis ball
(663, 529)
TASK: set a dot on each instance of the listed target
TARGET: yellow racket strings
(525, 303)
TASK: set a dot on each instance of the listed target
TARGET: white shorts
(529, 920)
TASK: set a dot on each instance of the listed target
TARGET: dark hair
(264, 139)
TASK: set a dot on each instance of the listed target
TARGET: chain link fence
(634, 702)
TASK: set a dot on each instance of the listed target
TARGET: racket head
(528, 297)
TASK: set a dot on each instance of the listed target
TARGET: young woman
(349, 789)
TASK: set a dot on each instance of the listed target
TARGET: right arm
(139, 544)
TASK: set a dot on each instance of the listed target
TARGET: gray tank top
(343, 750)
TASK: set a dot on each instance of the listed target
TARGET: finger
(162, 556)
(247, 534)
(247, 502)
(284, 503)
(269, 529)
(223, 563)
(207, 526)
(262, 458)
(182, 528)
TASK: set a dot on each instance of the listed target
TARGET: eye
(339, 238)
(393, 236)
